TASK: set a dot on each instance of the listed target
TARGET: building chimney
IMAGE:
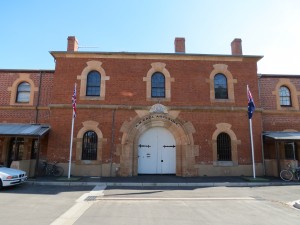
(236, 47)
(179, 45)
(72, 44)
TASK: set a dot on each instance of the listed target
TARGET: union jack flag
(251, 106)
(74, 101)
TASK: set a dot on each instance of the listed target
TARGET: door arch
(182, 132)
(157, 152)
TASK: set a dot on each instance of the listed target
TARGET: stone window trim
(14, 90)
(225, 128)
(222, 69)
(158, 67)
(89, 126)
(96, 66)
(293, 91)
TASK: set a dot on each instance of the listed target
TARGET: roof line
(28, 70)
(155, 53)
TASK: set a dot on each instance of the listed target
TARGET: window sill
(223, 163)
(22, 104)
(159, 99)
(88, 162)
(93, 98)
(288, 108)
(222, 100)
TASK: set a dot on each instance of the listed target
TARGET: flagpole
(71, 146)
(251, 108)
(252, 148)
(72, 129)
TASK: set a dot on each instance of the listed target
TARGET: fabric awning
(282, 136)
(23, 130)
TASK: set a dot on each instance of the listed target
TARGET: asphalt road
(34, 204)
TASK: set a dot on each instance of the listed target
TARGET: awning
(282, 136)
(23, 130)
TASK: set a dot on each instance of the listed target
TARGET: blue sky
(32, 28)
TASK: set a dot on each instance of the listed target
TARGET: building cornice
(142, 107)
(156, 56)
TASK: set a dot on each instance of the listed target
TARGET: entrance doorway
(157, 152)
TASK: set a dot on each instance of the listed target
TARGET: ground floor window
(224, 147)
(89, 146)
(290, 149)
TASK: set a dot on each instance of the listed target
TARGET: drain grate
(90, 198)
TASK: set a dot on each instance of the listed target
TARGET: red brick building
(279, 96)
(146, 113)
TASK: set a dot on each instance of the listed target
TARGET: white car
(10, 176)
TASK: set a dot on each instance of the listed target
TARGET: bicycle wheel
(58, 171)
(286, 175)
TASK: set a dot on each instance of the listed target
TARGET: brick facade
(122, 111)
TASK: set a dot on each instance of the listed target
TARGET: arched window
(23, 92)
(224, 147)
(285, 96)
(89, 146)
(158, 85)
(220, 84)
(93, 83)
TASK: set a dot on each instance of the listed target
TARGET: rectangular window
(290, 150)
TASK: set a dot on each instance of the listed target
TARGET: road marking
(189, 199)
(70, 216)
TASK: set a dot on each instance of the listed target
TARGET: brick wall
(25, 113)
(274, 118)
(126, 87)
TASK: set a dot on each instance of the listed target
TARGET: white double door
(157, 152)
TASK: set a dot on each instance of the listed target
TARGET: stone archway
(182, 132)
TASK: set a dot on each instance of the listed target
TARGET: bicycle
(290, 173)
(51, 169)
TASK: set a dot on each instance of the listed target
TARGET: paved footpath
(138, 205)
(189, 206)
(161, 181)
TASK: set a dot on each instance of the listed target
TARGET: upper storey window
(93, 84)
(92, 81)
(220, 84)
(158, 85)
(23, 93)
(285, 97)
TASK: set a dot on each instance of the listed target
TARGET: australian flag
(251, 106)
